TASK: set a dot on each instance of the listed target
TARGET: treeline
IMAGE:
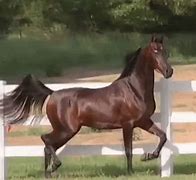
(98, 15)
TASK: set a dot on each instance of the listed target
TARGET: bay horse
(127, 103)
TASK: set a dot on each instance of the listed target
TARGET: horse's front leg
(150, 127)
(127, 137)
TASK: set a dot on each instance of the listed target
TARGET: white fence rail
(165, 117)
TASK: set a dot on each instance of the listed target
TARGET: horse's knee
(155, 154)
(163, 137)
(47, 151)
(44, 139)
(128, 153)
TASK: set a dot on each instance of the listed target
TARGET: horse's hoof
(130, 172)
(48, 175)
(56, 165)
(148, 156)
(144, 157)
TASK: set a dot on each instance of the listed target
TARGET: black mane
(130, 61)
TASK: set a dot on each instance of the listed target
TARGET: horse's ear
(153, 38)
(161, 39)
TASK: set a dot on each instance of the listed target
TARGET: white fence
(166, 117)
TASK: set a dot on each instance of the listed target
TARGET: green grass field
(101, 168)
(53, 57)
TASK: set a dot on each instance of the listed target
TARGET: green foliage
(98, 15)
(53, 57)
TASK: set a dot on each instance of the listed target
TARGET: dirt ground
(181, 102)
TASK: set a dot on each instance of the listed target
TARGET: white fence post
(165, 110)
(2, 138)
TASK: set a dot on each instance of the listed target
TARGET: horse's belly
(102, 125)
(102, 122)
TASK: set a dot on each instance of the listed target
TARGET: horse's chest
(150, 106)
(142, 109)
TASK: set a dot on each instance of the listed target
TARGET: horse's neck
(142, 78)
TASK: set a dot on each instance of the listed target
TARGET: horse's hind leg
(53, 141)
(150, 127)
(47, 156)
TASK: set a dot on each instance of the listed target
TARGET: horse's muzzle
(169, 73)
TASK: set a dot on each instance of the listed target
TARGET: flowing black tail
(30, 94)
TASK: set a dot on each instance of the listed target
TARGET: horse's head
(158, 57)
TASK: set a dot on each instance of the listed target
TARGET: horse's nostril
(169, 72)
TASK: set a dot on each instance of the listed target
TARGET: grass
(101, 168)
(53, 57)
